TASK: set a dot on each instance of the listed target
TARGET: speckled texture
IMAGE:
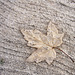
(31, 14)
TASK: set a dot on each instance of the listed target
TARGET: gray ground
(31, 14)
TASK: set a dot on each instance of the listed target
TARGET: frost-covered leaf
(43, 43)
(41, 54)
(53, 35)
(33, 37)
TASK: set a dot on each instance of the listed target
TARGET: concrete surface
(31, 14)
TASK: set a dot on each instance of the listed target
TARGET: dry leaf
(43, 43)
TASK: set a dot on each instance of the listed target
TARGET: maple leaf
(45, 44)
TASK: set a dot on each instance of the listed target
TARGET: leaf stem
(64, 53)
